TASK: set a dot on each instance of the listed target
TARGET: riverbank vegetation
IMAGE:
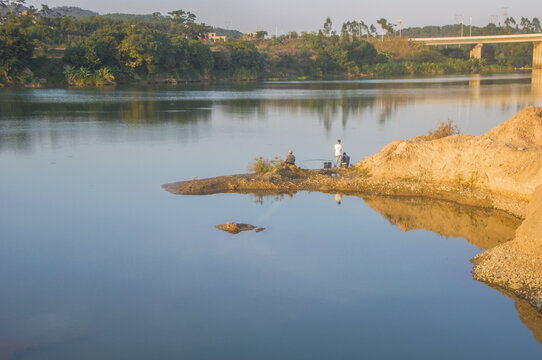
(48, 47)
(262, 166)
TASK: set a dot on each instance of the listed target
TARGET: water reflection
(26, 124)
(536, 82)
(474, 87)
(326, 102)
(483, 228)
(529, 316)
(262, 198)
(134, 266)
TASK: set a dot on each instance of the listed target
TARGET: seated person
(345, 161)
(290, 159)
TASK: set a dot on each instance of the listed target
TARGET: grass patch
(262, 166)
(467, 184)
(408, 179)
(361, 171)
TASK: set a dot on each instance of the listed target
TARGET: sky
(282, 16)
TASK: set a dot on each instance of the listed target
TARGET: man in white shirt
(338, 153)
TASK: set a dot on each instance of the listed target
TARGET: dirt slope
(507, 161)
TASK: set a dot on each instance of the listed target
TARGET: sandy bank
(501, 169)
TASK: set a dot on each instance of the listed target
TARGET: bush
(262, 166)
(443, 129)
(85, 77)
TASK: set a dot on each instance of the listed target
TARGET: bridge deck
(491, 39)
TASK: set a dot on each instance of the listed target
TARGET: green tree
(244, 55)
(327, 26)
(526, 24)
(182, 17)
(388, 27)
(536, 26)
(16, 51)
(142, 50)
(510, 24)
(82, 54)
(260, 35)
(46, 11)
(201, 58)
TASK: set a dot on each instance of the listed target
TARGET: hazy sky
(309, 15)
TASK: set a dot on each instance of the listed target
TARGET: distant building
(33, 14)
(212, 37)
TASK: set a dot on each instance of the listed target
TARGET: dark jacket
(290, 159)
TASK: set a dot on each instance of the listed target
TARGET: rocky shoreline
(501, 169)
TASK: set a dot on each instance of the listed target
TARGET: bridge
(479, 42)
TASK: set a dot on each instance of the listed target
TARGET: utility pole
(470, 26)
(493, 19)
(400, 22)
(459, 20)
(504, 13)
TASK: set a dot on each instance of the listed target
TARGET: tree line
(37, 44)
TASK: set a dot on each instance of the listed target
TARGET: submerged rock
(235, 228)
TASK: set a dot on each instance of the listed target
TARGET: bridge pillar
(537, 55)
(476, 51)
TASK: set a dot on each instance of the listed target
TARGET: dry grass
(443, 129)
(403, 49)
(262, 166)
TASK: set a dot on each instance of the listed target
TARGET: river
(97, 261)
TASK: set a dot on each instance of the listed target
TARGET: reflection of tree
(20, 109)
(260, 199)
(121, 108)
(245, 108)
(326, 102)
(326, 110)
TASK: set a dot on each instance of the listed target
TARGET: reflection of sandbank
(484, 228)
(528, 315)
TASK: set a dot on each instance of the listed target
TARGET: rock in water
(234, 228)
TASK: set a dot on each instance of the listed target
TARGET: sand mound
(507, 161)
(522, 130)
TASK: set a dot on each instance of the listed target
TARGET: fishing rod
(302, 162)
(316, 160)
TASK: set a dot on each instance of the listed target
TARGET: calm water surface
(98, 262)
